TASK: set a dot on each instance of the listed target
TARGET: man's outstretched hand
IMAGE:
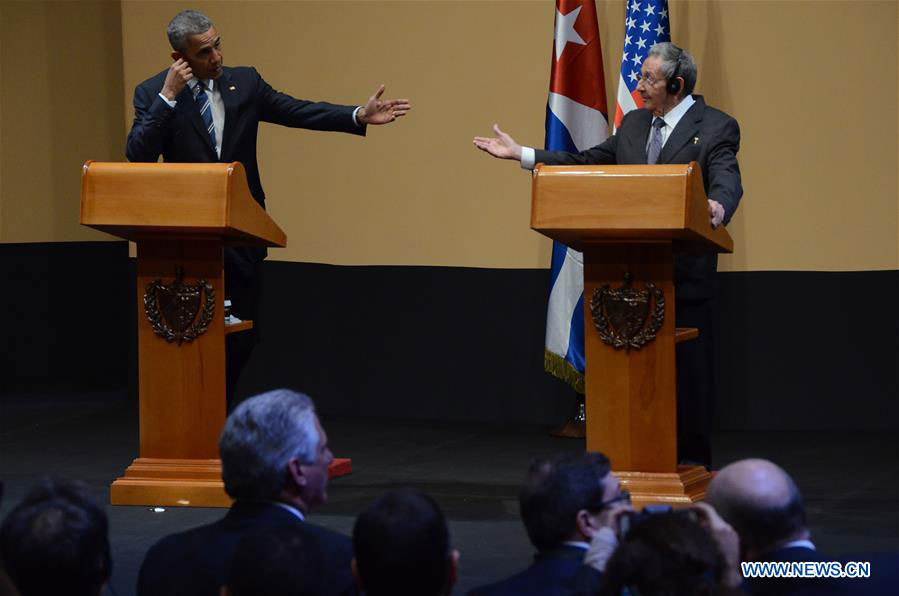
(377, 111)
(502, 145)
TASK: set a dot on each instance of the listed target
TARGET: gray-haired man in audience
(275, 460)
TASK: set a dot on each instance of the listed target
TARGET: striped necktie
(205, 110)
(655, 142)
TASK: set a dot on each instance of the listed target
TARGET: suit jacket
(704, 135)
(195, 562)
(553, 573)
(179, 135)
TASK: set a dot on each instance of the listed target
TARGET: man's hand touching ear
(176, 78)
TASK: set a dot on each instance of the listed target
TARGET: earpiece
(673, 85)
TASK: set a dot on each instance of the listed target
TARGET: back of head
(555, 490)
(401, 546)
(760, 501)
(279, 560)
(56, 542)
(259, 439)
(185, 25)
(665, 554)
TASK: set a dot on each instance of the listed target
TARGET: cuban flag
(576, 119)
(646, 24)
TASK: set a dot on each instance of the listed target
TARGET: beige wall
(61, 103)
(816, 103)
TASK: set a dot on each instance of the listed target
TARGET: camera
(628, 520)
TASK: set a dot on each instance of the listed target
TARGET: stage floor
(850, 480)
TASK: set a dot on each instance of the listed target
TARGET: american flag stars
(645, 24)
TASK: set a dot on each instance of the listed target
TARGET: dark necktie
(205, 110)
(655, 141)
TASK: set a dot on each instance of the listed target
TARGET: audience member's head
(761, 502)
(273, 448)
(667, 553)
(401, 546)
(279, 560)
(56, 542)
(563, 496)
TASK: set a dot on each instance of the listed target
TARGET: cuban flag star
(576, 119)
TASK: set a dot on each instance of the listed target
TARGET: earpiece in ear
(673, 85)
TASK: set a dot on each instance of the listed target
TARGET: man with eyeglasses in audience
(566, 501)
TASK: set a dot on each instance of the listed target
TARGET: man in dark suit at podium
(673, 127)
(199, 110)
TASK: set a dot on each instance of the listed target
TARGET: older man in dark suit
(673, 127)
(199, 110)
(275, 460)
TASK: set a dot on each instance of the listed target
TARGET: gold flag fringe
(562, 369)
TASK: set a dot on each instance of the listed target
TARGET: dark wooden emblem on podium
(631, 220)
(172, 309)
(620, 314)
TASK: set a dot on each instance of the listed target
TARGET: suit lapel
(635, 152)
(188, 106)
(684, 132)
(229, 95)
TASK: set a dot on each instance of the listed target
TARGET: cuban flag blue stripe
(575, 353)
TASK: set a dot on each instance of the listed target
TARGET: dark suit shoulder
(242, 73)
(551, 574)
(707, 112)
(154, 83)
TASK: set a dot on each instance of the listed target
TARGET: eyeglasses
(648, 79)
(622, 497)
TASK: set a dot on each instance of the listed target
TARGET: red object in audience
(341, 466)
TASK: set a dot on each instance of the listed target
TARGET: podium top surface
(144, 200)
(577, 205)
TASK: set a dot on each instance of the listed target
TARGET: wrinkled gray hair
(671, 55)
(184, 25)
(259, 439)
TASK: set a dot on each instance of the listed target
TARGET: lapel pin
(695, 140)
(232, 88)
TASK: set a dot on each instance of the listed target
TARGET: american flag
(646, 24)
(576, 119)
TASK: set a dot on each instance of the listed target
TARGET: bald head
(760, 500)
(754, 480)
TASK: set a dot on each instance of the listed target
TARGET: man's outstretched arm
(504, 146)
(280, 108)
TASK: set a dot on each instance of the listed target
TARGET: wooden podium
(630, 220)
(180, 216)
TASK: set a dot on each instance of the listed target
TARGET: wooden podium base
(677, 489)
(184, 482)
